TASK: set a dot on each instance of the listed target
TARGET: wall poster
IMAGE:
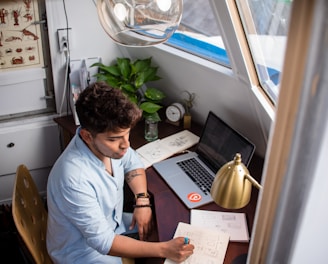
(20, 37)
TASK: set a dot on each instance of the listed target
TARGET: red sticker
(194, 197)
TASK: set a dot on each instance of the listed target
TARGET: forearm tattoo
(131, 174)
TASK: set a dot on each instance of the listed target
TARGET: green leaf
(141, 65)
(124, 67)
(113, 82)
(140, 80)
(111, 70)
(100, 77)
(97, 64)
(150, 74)
(129, 88)
(114, 70)
(150, 107)
(154, 94)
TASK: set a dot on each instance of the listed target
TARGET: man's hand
(142, 216)
(177, 250)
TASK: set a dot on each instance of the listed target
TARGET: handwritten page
(153, 152)
(234, 224)
(163, 148)
(210, 246)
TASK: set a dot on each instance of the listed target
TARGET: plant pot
(151, 129)
(186, 121)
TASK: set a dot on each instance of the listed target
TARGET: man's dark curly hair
(101, 108)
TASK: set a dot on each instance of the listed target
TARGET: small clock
(175, 112)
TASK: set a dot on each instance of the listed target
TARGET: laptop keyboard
(197, 173)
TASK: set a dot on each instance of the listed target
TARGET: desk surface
(169, 210)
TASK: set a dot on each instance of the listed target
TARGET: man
(85, 188)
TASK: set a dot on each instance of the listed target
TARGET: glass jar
(151, 129)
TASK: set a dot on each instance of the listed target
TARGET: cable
(66, 78)
(67, 67)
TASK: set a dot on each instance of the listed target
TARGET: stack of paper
(163, 148)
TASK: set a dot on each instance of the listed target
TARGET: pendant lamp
(232, 185)
(139, 23)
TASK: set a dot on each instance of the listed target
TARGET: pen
(186, 240)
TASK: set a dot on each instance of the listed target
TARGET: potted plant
(131, 77)
(188, 104)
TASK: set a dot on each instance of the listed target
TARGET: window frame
(242, 65)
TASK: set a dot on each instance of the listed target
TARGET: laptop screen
(216, 151)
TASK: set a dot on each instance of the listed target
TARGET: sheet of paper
(210, 246)
(234, 224)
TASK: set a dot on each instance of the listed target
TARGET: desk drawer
(34, 146)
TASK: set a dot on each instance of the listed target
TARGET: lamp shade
(232, 185)
(140, 22)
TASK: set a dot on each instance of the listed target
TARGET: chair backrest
(30, 215)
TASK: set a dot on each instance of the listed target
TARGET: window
(266, 25)
(199, 32)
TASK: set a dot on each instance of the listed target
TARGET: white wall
(88, 39)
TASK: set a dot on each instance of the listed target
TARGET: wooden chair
(30, 216)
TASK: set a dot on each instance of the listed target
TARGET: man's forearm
(137, 181)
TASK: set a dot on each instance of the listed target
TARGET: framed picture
(20, 35)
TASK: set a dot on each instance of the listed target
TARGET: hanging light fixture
(140, 22)
(232, 185)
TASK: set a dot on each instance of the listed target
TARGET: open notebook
(161, 149)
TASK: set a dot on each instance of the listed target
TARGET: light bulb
(120, 11)
(164, 5)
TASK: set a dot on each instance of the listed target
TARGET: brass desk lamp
(140, 22)
(232, 185)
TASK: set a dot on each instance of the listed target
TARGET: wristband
(142, 195)
(141, 205)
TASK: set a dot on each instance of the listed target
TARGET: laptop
(217, 145)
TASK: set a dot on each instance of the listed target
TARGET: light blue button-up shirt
(85, 205)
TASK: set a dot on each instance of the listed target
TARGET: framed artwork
(20, 35)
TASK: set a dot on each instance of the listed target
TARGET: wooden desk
(68, 127)
(169, 210)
